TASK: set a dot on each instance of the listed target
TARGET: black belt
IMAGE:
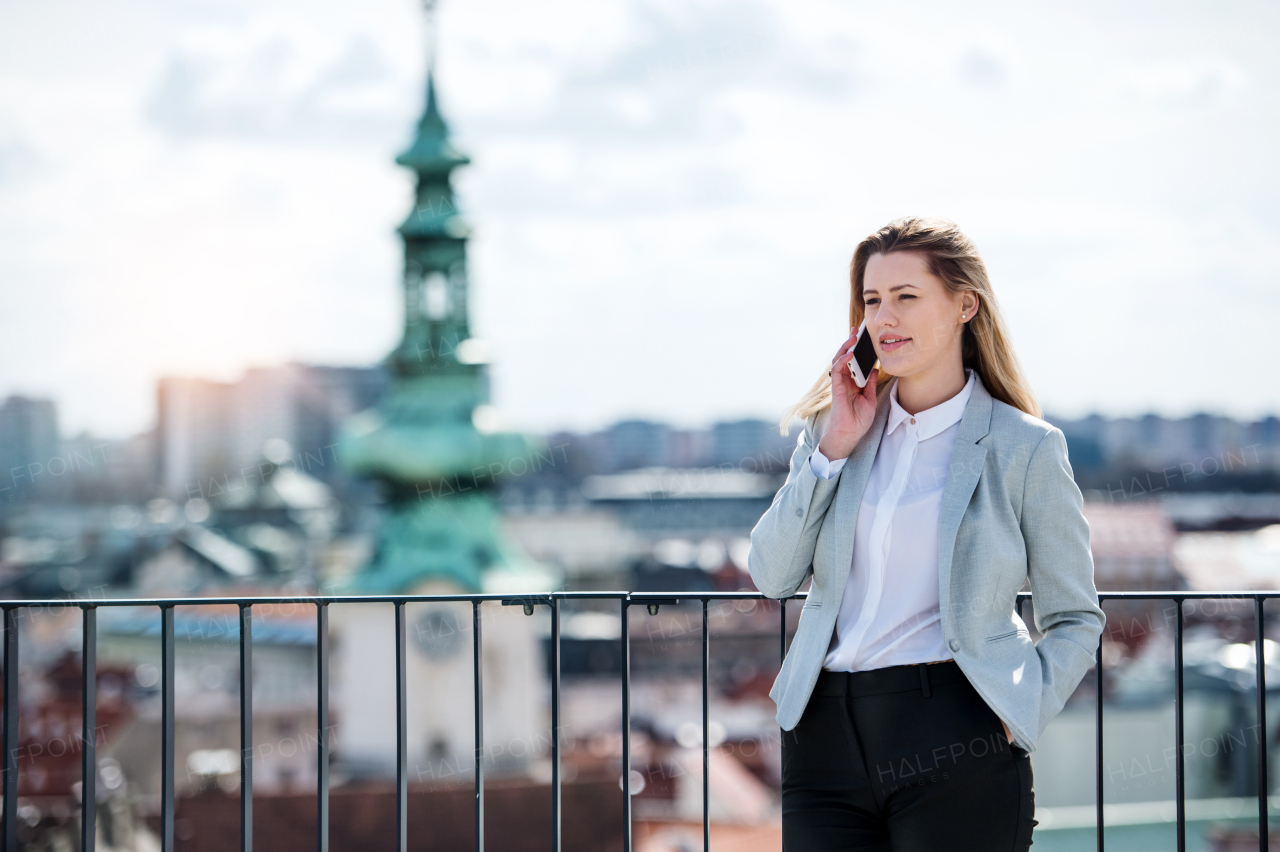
(890, 679)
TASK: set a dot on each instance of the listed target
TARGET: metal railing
(651, 600)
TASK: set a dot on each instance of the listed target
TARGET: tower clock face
(439, 634)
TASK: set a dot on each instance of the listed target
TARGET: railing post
(1260, 661)
(166, 727)
(706, 751)
(1180, 780)
(402, 732)
(322, 724)
(10, 729)
(89, 731)
(477, 678)
(246, 728)
(626, 728)
(1097, 741)
(555, 725)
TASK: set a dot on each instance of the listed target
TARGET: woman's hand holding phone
(853, 409)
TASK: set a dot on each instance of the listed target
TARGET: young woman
(919, 506)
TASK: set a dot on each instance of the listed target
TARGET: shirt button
(955, 645)
(799, 512)
(913, 420)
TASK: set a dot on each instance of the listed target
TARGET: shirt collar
(931, 421)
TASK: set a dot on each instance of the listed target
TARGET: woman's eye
(872, 301)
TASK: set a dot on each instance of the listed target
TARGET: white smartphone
(864, 358)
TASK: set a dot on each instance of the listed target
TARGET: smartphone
(864, 358)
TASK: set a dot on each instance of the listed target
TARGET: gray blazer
(1011, 511)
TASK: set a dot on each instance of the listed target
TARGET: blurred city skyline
(658, 191)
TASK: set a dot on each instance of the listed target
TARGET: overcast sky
(665, 195)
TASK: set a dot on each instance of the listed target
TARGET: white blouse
(889, 614)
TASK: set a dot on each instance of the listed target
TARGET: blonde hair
(954, 259)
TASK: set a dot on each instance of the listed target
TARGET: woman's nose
(884, 316)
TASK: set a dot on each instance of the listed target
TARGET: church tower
(430, 442)
(436, 456)
(435, 257)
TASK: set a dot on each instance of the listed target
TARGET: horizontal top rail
(542, 598)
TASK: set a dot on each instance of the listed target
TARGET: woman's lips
(890, 347)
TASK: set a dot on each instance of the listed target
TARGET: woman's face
(913, 319)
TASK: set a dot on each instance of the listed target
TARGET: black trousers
(903, 759)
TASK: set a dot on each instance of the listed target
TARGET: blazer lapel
(967, 460)
(853, 481)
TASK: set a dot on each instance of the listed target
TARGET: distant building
(585, 546)
(689, 448)
(211, 434)
(192, 434)
(1225, 511)
(1199, 447)
(632, 444)
(1132, 545)
(1231, 560)
(29, 445)
(110, 470)
(750, 445)
(660, 502)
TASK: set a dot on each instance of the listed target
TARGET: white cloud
(278, 78)
(1207, 81)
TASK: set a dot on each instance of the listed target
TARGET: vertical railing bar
(322, 727)
(402, 736)
(626, 729)
(782, 635)
(1264, 822)
(1180, 766)
(246, 728)
(555, 725)
(478, 681)
(782, 642)
(706, 751)
(89, 732)
(10, 815)
(166, 727)
(1097, 743)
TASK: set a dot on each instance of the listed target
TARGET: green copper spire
(436, 322)
(431, 153)
(422, 442)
